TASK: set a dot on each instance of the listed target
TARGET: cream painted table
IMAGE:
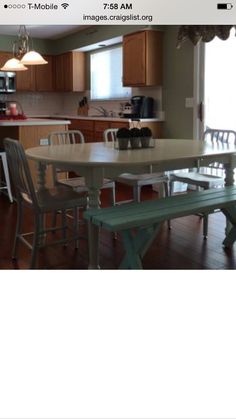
(95, 161)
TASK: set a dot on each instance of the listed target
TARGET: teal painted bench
(138, 223)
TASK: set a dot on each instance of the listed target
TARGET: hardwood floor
(182, 247)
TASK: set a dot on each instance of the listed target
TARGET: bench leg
(230, 238)
(93, 235)
(136, 245)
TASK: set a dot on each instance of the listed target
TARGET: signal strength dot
(64, 5)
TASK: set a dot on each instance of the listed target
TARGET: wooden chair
(206, 177)
(41, 202)
(137, 181)
(3, 157)
(76, 183)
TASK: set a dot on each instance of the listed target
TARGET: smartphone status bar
(157, 12)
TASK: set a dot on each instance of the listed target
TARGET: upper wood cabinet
(142, 59)
(25, 80)
(69, 71)
(63, 73)
(37, 78)
(44, 75)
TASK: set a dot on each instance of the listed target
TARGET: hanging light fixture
(22, 54)
(13, 65)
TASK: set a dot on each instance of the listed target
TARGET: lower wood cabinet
(93, 129)
(85, 126)
(29, 136)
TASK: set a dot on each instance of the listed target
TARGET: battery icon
(224, 6)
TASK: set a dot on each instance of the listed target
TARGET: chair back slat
(20, 172)
(221, 137)
(65, 137)
(110, 135)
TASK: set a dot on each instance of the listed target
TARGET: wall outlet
(43, 141)
(189, 102)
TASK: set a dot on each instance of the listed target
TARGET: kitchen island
(29, 132)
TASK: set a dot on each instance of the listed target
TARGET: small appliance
(7, 82)
(142, 107)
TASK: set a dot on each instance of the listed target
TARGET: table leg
(93, 231)
(229, 172)
(94, 181)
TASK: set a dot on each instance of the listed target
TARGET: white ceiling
(43, 31)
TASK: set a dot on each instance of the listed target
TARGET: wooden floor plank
(182, 247)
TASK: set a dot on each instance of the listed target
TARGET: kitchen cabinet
(99, 128)
(69, 72)
(142, 58)
(93, 128)
(38, 78)
(29, 136)
(44, 75)
(25, 80)
(86, 126)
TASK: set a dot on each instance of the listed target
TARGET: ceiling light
(22, 53)
(13, 65)
(33, 58)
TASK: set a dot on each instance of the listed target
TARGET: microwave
(7, 82)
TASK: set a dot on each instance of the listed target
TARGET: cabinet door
(68, 71)
(99, 128)
(78, 72)
(59, 73)
(25, 80)
(119, 124)
(44, 75)
(85, 126)
(134, 59)
(142, 59)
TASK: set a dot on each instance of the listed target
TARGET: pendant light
(13, 65)
(22, 54)
(33, 58)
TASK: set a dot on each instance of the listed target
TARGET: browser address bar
(138, 12)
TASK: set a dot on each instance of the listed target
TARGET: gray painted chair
(210, 177)
(3, 157)
(77, 183)
(41, 202)
(136, 181)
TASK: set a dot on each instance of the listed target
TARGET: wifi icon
(64, 5)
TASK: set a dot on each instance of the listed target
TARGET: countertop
(100, 118)
(33, 121)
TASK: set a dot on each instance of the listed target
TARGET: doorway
(215, 85)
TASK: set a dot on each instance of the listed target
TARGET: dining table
(98, 160)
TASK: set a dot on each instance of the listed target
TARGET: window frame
(97, 51)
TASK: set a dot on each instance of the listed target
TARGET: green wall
(45, 46)
(177, 85)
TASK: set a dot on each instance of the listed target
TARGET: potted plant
(135, 137)
(145, 136)
(123, 136)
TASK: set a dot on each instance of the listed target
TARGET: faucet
(102, 111)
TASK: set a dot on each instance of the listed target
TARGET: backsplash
(43, 104)
(39, 103)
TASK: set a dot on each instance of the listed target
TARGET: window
(106, 75)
